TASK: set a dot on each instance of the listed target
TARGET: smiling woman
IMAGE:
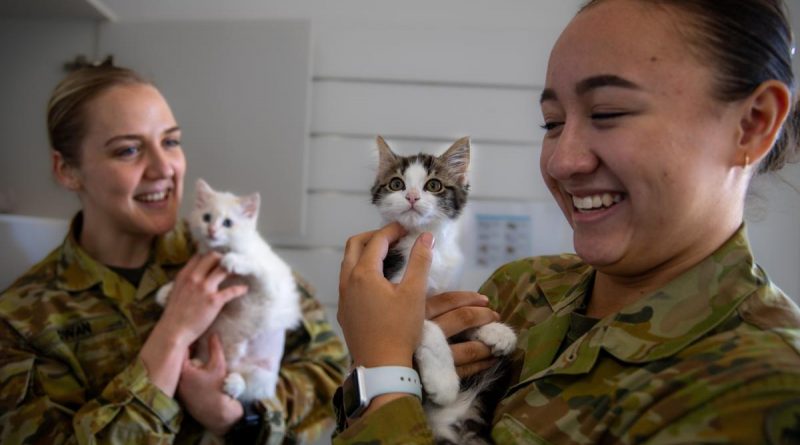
(619, 123)
(88, 356)
(128, 172)
(663, 328)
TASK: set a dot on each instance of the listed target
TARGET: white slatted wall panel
(421, 88)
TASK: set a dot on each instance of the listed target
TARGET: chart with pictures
(502, 238)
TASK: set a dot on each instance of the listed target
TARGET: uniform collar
(688, 307)
(77, 270)
(662, 323)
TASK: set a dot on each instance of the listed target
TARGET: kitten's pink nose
(412, 196)
(212, 233)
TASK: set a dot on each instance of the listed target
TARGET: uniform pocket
(96, 348)
(510, 431)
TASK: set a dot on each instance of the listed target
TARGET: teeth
(152, 197)
(596, 201)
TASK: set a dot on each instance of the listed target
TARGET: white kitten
(251, 327)
(428, 193)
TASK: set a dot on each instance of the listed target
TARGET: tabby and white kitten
(428, 193)
(252, 327)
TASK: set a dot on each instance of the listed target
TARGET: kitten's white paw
(163, 294)
(436, 368)
(497, 336)
(261, 384)
(237, 264)
(441, 385)
(234, 385)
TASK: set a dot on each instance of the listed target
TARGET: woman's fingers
(470, 351)
(447, 301)
(471, 357)
(206, 271)
(419, 264)
(190, 265)
(207, 262)
(460, 319)
(216, 362)
(367, 251)
(216, 276)
(352, 252)
(375, 250)
(229, 293)
(467, 370)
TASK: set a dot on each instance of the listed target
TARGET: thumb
(187, 366)
(216, 356)
(419, 263)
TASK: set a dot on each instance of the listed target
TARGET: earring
(746, 160)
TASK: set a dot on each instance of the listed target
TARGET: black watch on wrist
(248, 428)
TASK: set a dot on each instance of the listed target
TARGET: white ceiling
(46, 9)
(507, 13)
(439, 13)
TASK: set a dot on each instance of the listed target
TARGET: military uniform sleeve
(43, 401)
(401, 421)
(313, 366)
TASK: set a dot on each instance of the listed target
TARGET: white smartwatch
(363, 384)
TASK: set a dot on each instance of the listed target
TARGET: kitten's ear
(386, 157)
(203, 192)
(250, 204)
(457, 159)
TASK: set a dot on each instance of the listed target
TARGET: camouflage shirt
(712, 357)
(70, 333)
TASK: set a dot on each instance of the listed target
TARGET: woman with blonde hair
(88, 356)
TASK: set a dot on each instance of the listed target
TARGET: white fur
(434, 358)
(251, 327)
(500, 338)
(442, 418)
(425, 216)
(437, 370)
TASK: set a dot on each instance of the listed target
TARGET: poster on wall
(494, 233)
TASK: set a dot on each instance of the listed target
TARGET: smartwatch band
(388, 379)
(364, 384)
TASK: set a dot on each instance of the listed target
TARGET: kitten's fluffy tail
(464, 421)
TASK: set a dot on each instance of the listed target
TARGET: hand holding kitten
(184, 320)
(200, 391)
(195, 298)
(382, 321)
(456, 312)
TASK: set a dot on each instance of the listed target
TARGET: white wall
(37, 50)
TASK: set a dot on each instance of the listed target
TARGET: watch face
(353, 397)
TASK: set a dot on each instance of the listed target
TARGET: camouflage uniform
(712, 357)
(70, 334)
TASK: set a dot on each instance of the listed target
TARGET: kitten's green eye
(227, 222)
(433, 186)
(396, 184)
(207, 217)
